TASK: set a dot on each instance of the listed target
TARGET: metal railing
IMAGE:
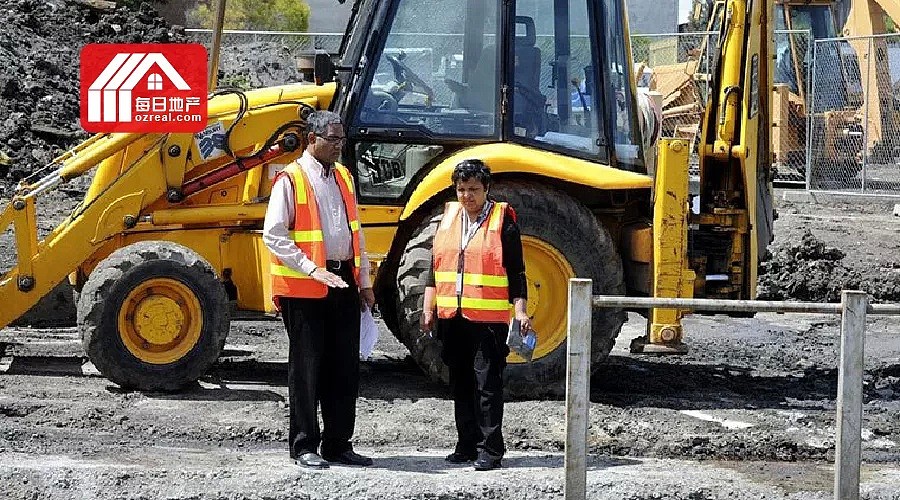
(854, 116)
(853, 309)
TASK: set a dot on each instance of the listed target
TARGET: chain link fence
(790, 98)
(257, 59)
(854, 144)
(679, 65)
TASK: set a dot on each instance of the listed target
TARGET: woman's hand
(366, 299)
(426, 321)
(522, 316)
(524, 322)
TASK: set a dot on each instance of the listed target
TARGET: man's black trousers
(323, 368)
(476, 354)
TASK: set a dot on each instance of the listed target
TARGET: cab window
(437, 71)
(554, 88)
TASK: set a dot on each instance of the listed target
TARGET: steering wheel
(403, 74)
(381, 101)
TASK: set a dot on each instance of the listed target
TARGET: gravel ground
(747, 413)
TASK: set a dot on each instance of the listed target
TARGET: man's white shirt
(332, 216)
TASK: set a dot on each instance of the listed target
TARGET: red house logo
(156, 88)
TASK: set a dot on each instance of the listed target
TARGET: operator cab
(429, 77)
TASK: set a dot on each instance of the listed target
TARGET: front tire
(153, 316)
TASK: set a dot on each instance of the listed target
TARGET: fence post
(849, 395)
(866, 124)
(578, 368)
(810, 114)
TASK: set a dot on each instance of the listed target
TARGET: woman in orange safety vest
(478, 272)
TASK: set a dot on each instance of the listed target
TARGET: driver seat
(528, 102)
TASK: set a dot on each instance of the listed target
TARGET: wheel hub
(160, 320)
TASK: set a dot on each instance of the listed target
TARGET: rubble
(808, 270)
(39, 86)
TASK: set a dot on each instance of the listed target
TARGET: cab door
(430, 87)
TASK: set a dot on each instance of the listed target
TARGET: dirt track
(748, 413)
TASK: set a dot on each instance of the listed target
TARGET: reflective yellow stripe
(354, 225)
(345, 174)
(472, 279)
(357, 261)
(299, 184)
(480, 304)
(496, 216)
(307, 236)
(287, 272)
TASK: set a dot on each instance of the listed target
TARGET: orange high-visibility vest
(308, 236)
(485, 286)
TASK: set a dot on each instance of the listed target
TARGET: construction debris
(682, 100)
(809, 270)
(39, 54)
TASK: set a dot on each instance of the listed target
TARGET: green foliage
(235, 81)
(269, 15)
(890, 25)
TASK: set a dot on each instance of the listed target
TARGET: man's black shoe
(460, 458)
(312, 460)
(486, 462)
(350, 457)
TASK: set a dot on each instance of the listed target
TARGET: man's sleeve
(513, 260)
(276, 228)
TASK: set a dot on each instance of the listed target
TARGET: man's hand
(366, 298)
(328, 278)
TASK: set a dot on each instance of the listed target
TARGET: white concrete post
(578, 372)
(849, 396)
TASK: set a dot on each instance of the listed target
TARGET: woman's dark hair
(468, 169)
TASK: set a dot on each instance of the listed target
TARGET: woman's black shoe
(459, 458)
(486, 462)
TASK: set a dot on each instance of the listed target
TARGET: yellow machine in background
(164, 243)
(840, 110)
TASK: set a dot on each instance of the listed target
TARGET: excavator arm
(735, 156)
(713, 252)
(144, 182)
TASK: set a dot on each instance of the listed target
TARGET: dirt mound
(809, 270)
(39, 53)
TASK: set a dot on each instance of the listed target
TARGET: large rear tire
(561, 240)
(153, 316)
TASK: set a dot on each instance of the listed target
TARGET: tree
(270, 15)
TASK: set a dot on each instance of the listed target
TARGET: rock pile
(808, 270)
(40, 44)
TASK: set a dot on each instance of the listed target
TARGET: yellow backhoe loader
(167, 238)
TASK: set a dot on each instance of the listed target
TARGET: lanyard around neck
(469, 230)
